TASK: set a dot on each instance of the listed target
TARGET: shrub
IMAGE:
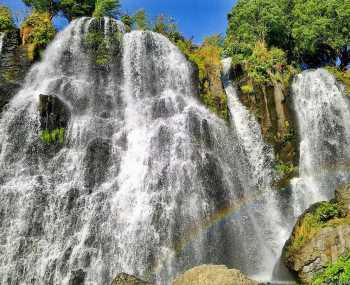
(52, 137)
(37, 31)
(6, 22)
(336, 273)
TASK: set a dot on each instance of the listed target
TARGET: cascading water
(2, 36)
(323, 115)
(147, 181)
(259, 174)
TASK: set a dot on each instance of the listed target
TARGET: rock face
(306, 257)
(14, 64)
(125, 279)
(213, 275)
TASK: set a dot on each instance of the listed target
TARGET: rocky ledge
(320, 238)
(201, 275)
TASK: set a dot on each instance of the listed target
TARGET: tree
(69, 8)
(141, 20)
(321, 30)
(108, 8)
(257, 20)
(168, 27)
(6, 22)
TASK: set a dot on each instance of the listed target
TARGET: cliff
(14, 64)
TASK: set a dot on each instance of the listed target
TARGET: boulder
(320, 237)
(213, 275)
(126, 279)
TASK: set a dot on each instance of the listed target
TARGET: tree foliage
(140, 20)
(308, 31)
(108, 8)
(6, 21)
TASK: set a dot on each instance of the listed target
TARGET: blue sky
(197, 18)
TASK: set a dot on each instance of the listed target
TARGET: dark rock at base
(126, 279)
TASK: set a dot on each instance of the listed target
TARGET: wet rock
(97, 162)
(77, 277)
(14, 65)
(125, 279)
(213, 275)
(54, 114)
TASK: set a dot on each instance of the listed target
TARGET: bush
(342, 76)
(37, 31)
(336, 273)
(52, 137)
(6, 22)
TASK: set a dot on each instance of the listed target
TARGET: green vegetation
(140, 20)
(312, 32)
(52, 137)
(322, 215)
(6, 22)
(335, 273)
(71, 9)
(207, 59)
(108, 8)
(342, 76)
(37, 31)
(102, 48)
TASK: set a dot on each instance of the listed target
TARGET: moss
(102, 48)
(342, 76)
(324, 214)
(335, 273)
(55, 136)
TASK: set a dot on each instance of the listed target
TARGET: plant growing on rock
(37, 31)
(335, 273)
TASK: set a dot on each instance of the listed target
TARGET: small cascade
(323, 115)
(258, 159)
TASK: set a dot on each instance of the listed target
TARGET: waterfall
(323, 116)
(259, 174)
(2, 36)
(147, 180)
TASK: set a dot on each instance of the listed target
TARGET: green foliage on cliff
(335, 273)
(207, 59)
(102, 48)
(109, 8)
(342, 76)
(52, 137)
(6, 21)
(37, 31)
(321, 215)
